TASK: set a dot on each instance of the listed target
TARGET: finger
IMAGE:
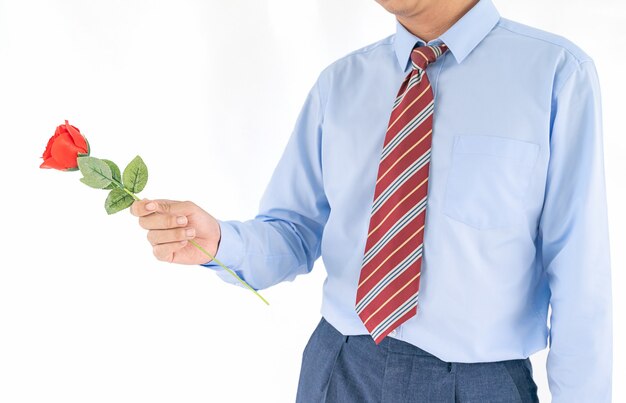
(178, 208)
(141, 208)
(138, 208)
(162, 221)
(165, 252)
(163, 236)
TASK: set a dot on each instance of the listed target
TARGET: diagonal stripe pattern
(388, 286)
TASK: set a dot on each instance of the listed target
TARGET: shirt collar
(461, 38)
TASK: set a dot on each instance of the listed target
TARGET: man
(444, 297)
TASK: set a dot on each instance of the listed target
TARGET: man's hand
(172, 224)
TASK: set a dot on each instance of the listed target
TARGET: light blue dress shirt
(516, 216)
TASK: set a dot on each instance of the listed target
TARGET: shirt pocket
(487, 179)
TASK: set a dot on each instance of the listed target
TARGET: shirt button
(393, 332)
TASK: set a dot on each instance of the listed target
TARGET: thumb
(144, 207)
(171, 207)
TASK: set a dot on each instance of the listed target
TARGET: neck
(429, 23)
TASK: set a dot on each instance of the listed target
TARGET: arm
(284, 238)
(574, 241)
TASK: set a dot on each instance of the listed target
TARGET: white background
(207, 92)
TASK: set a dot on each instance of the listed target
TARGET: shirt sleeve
(284, 239)
(574, 241)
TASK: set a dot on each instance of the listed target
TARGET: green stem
(232, 273)
(134, 196)
(201, 249)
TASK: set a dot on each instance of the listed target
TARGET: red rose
(64, 148)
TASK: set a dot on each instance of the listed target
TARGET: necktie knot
(422, 56)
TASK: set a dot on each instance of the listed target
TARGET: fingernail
(150, 206)
(181, 220)
(183, 243)
(190, 232)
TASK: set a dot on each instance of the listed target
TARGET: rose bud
(64, 148)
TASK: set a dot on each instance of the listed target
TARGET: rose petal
(65, 152)
(48, 151)
(52, 163)
(78, 138)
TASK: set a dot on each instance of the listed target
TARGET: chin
(400, 7)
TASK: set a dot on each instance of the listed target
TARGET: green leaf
(135, 175)
(115, 170)
(96, 172)
(117, 200)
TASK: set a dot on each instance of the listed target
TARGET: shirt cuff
(229, 251)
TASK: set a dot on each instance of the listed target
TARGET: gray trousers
(346, 369)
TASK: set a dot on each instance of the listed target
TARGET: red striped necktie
(390, 273)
